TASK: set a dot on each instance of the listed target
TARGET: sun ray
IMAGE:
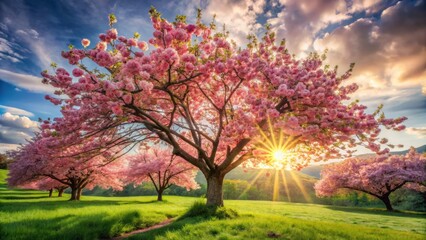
(287, 192)
(276, 192)
(268, 142)
(271, 130)
(301, 187)
(251, 183)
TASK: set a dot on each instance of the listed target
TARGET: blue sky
(386, 39)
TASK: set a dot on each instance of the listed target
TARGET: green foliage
(4, 161)
(112, 19)
(408, 199)
(200, 209)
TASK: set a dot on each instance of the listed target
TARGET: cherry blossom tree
(162, 168)
(378, 176)
(46, 184)
(38, 163)
(196, 86)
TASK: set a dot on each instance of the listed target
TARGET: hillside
(315, 170)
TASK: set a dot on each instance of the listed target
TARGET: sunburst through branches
(275, 149)
(278, 151)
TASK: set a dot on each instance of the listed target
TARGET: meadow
(26, 214)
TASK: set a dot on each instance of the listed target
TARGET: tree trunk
(60, 192)
(50, 192)
(74, 194)
(79, 194)
(214, 190)
(386, 201)
(160, 195)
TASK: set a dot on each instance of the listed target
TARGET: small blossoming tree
(45, 184)
(378, 176)
(197, 87)
(162, 168)
(38, 164)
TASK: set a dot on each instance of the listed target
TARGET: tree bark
(60, 192)
(74, 194)
(79, 194)
(214, 190)
(386, 201)
(50, 192)
(160, 195)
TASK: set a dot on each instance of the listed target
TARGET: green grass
(31, 215)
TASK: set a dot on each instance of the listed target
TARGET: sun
(276, 148)
(278, 155)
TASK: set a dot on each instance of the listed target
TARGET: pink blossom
(85, 42)
(189, 67)
(142, 45)
(77, 72)
(103, 59)
(190, 28)
(132, 42)
(112, 33)
(122, 39)
(127, 98)
(101, 46)
(103, 37)
(116, 109)
(170, 55)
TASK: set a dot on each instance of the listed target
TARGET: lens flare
(278, 155)
(275, 148)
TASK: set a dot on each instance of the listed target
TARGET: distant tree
(46, 184)
(233, 189)
(4, 161)
(162, 168)
(378, 176)
(38, 160)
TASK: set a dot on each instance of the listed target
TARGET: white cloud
(3, 27)
(420, 132)
(42, 45)
(4, 147)
(388, 53)
(28, 33)
(370, 6)
(12, 59)
(16, 129)
(17, 111)
(13, 136)
(22, 122)
(299, 21)
(240, 16)
(26, 81)
(8, 50)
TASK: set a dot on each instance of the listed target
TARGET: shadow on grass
(95, 226)
(59, 203)
(14, 197)
(196, 214)
(379, 211)
(175, 226)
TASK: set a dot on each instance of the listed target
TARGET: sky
(385, 39)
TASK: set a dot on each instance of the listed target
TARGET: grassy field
(31, 215)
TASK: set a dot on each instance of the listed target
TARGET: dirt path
(159, 225)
